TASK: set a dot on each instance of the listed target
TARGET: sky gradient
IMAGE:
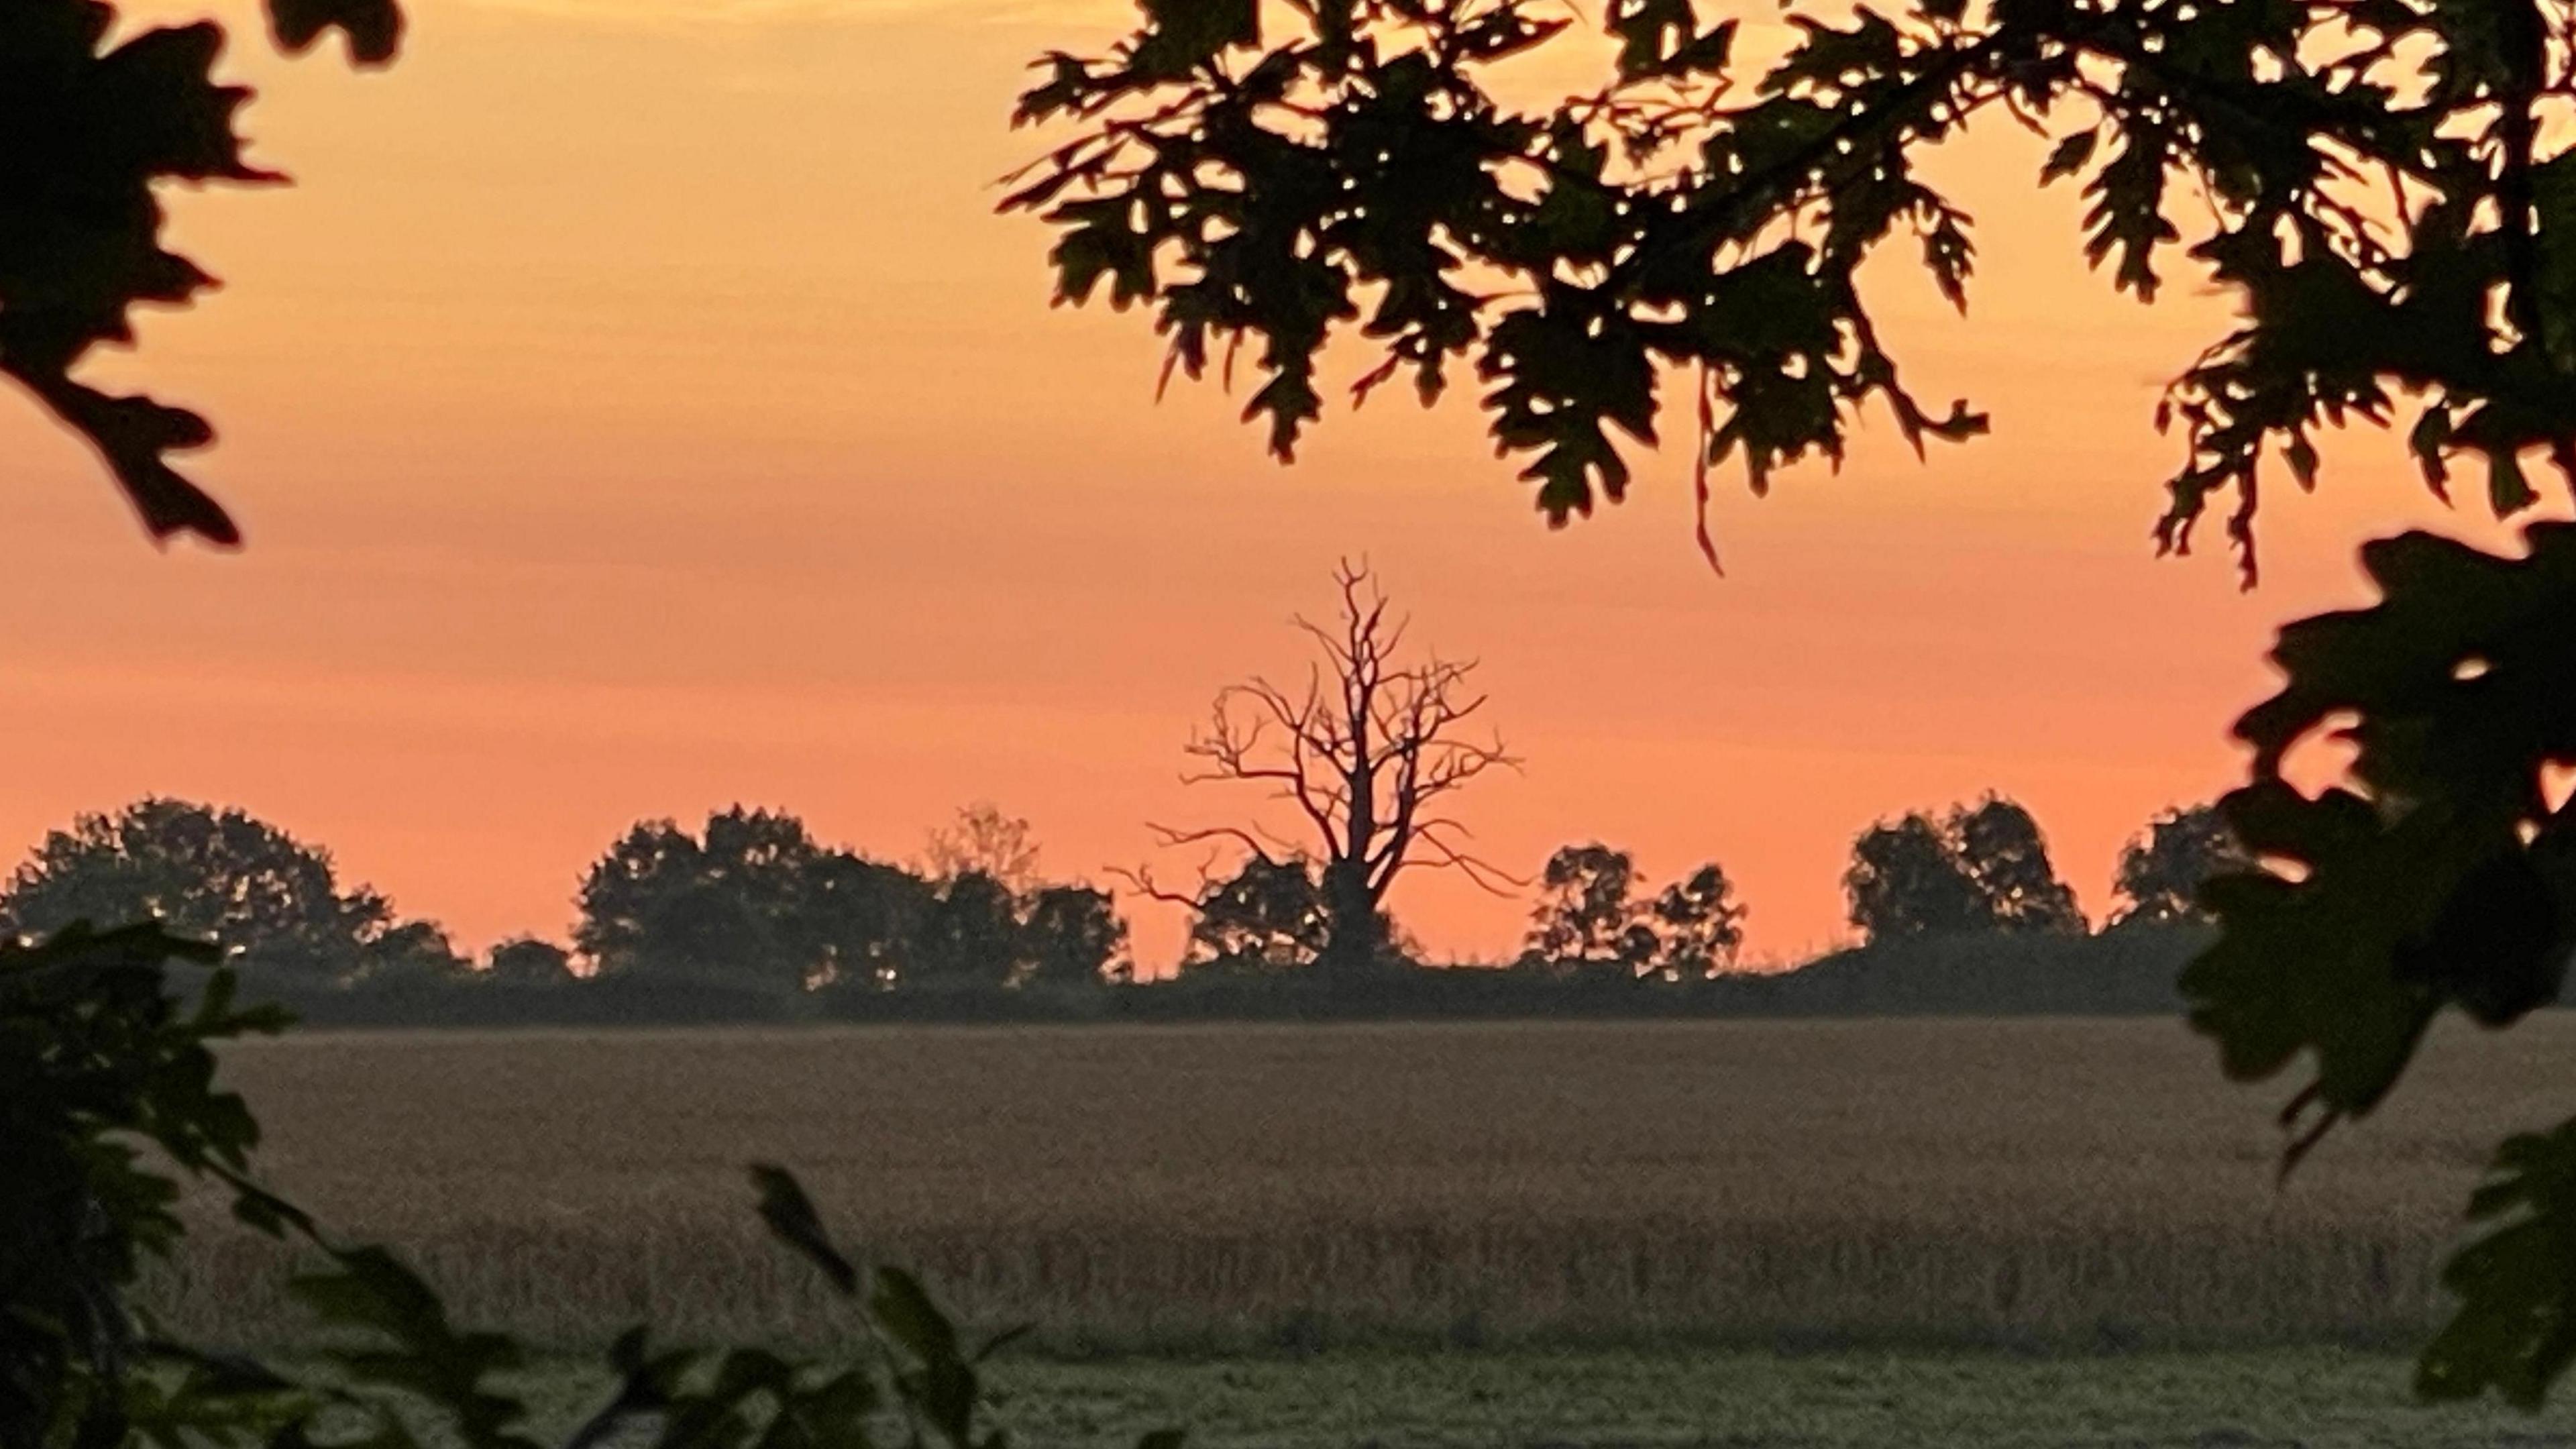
(636, 408)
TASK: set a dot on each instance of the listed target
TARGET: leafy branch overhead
(92, 128)
(2366, 175)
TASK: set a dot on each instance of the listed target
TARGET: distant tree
(1590, 919)
(1366, 755)
(1073, 936)
(2162, 870)
(1907, 880)
(2004, 853)
(1697, 924)
(222, 874)
(866, 919)
(417, 953)
(728, 906)
(983, 839)
(970, 936)
(528, 961)
(1587, 918)
(1268, 916)
(1984, 868)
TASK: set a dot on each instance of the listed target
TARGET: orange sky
(636, 408)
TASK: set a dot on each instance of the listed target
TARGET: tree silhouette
(970, 936)
(1588, 918)
(1367, 754)
(528, 961)
(1590, 921)
(1267, 917)
(2001, 847)
(92, 129)
(413, 952)
(1072, 937)
(865, 918)
(1698, 925)
(224, 875)
(730, 906)
(1977, 869)
(2163, 869)
(983, 839)
(1906, 881)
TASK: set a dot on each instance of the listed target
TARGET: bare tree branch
(1358, 753)
(1141, 881)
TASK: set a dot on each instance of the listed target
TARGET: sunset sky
(637, 408)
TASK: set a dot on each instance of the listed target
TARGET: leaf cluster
(2440, 875)
(94, 124)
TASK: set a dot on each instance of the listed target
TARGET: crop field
(1902, 1184)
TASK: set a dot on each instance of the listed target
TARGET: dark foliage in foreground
(101, 1061)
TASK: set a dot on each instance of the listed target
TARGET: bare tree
(984, 840)
(1366, 756)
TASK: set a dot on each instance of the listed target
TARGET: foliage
(1976, 869)
(1588, 919)
(755, 901)
(1698, 924)
(867, 917)
(1365, 757)
(2368, 179)
(94, 1055)
(1906, 880)
(2003, 852)
(970, 936)
(94, 126)
(2163, 870)
(1073, 936)
(1268, 916)
(984, 839)
(226, 875)
(1587, 916)
(414, 952)
(528, 961)
(728, 902)
(2441, 874)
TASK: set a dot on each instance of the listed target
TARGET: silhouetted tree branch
(1360, 753)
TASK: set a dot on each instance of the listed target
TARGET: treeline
(750, 918)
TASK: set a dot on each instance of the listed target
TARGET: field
(2064, 1185)
(1862, 1399)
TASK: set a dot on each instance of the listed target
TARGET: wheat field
(1209, 1188)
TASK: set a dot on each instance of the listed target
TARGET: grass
(2315, 1398)
(2069, 1185)
(1741, 1400)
